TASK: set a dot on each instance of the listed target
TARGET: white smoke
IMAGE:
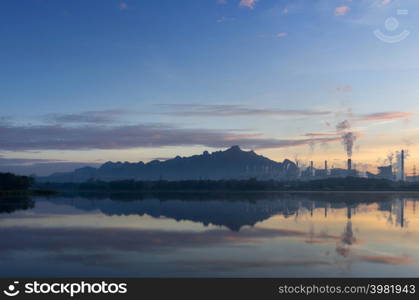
(348, 140)
(348, 137)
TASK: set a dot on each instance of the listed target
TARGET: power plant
(394, 172)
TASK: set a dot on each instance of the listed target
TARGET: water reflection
(320, 234)
(12, 204)
(235, 211)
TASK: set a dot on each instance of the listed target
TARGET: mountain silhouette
(233, 163)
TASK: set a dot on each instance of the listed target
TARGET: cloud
(193, 110)
(24, 161)
(224, 19)
(320, 134)
(5, 120)
(93, 117)
(40, 167)
(123, 5)
(247, 3)
(385, 116)
(58, 137)
(384, 2)
(341, 10)
(281, 35)
(347, 88)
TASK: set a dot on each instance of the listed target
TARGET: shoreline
(19, 193)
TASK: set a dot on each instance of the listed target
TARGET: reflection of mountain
(233, 163)
(233, 214)
(9, 205)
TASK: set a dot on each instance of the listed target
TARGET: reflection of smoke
(348, 140)
(348, 237)
(343, 125)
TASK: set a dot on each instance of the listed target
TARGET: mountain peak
(233, 163)
(234, 148)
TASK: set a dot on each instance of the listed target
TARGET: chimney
(325, 165)
(402, 166)
(349, 164)
(312, 168)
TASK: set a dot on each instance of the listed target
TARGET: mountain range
(233, 163)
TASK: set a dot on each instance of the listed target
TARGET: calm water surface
(248, 235)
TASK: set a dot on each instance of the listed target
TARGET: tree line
(11, 182)
(329, 184)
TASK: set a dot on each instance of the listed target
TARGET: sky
(83, 82)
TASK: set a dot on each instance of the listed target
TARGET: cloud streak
(385, 116)
(193, 110)
(90, 117)
(58, 137)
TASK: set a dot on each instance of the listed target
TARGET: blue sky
(192, 75)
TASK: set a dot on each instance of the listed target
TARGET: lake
(219, 235)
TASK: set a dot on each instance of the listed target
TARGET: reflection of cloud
(391, 260)
(94, 259)
(60, 239)
(211, 265)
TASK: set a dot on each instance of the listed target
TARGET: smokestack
(325, 165)
(349, 164)
(402, 165)
(311, 168)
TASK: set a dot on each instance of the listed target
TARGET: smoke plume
(348, 140)
(344, 125)
(390, 158)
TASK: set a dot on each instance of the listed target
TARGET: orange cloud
(342, 10)
(384, 2)
(386, 116)
(248, 3)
